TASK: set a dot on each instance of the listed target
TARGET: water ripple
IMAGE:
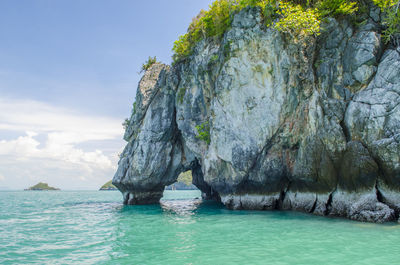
(95, 228)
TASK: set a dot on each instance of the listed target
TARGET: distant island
(42, 186)
(184, 182)
(108, 186)
(181, 186)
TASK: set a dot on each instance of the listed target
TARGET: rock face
(311, 125)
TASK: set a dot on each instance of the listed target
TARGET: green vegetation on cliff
(108, 186)
(150, 61)
(42, 186)
(203, 132)
(298, 18)
(391, 19)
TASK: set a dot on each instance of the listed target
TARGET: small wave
(181, 207)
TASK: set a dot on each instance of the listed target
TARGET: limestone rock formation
(309, 125)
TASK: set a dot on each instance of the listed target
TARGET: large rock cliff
(309, 125)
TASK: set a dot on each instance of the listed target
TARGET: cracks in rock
(346, 131)
(381, 199)
(328, 205)
(342, 123)
(379, 195)
(394, 136)
(391, 110)
(394, 91)
(381, 173)
(314, 62)
(279, 201)
(269, 143)
(371, 104)
(282, 195)
(314, 205)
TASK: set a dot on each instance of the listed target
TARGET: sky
(68, 76)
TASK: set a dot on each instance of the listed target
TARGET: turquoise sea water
(93, 227)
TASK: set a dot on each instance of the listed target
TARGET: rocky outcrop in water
(108, 186)
(41, 186)
(311, 125)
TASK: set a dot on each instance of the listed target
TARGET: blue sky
(68, 77)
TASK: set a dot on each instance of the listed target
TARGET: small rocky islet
(41, 186)
(266, 120)
(108, 186)
(184, 182)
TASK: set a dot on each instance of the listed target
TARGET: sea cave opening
(190, 184)
(183, 188)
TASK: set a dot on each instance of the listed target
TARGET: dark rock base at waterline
(359, 207)
(362, 207)
(151, 197)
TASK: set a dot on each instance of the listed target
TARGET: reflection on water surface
(181, 207)
(95, 228)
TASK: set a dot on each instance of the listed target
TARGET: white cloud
(49, 139)
(56, 147)
(29, 115)
(2, 177)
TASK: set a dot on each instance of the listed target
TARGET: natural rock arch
(285, 132)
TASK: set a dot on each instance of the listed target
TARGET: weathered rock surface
(311, 125)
